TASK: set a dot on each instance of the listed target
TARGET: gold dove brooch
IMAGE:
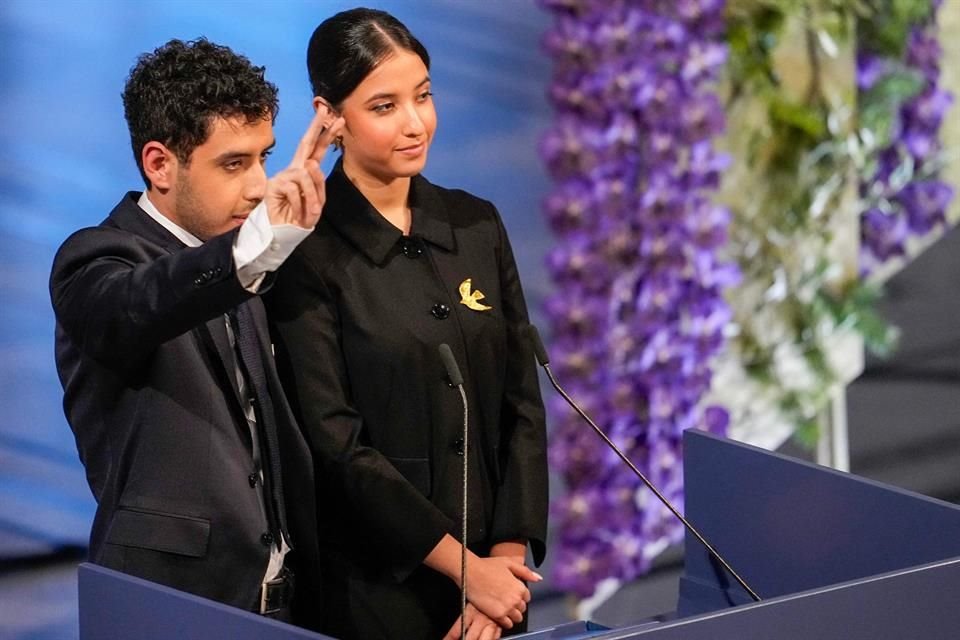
(471, 299)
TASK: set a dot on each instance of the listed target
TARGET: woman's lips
(413, 150)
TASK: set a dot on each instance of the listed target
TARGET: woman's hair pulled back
(346, 47)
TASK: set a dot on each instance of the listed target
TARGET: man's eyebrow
(229, 155)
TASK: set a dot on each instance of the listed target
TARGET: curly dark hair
(173, 95)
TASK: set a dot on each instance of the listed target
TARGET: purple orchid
(919, 206)
(639, 311)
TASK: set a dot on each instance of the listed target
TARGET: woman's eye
(382, 108)
(424, 96)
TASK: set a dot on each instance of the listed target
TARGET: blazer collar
(130, 217)
(361, 224)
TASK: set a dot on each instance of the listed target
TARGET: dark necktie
(251, 361)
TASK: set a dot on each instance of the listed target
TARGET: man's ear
(160, 164)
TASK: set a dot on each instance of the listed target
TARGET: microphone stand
(453, 372)
(544, 362)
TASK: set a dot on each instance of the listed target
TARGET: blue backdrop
(65, 160)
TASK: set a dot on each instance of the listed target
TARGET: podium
(832, 555)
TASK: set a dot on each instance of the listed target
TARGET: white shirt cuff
(261, 248)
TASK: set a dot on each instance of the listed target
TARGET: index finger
(325, 139)
(309, 140)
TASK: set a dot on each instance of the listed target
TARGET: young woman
(396, 267)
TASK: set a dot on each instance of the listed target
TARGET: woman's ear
(318, 101)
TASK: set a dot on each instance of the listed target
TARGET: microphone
(544, 361)
(456, 379)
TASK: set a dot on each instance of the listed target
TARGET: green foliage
(807, 434)
(885, 24)
(805, 162)
(753, 33)
(879, 105)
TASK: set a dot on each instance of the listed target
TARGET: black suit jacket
(150, 394)
(359, 312)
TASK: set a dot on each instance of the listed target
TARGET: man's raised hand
(296, 195)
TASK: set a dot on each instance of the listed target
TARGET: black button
(411, 248)
(440, 311)
(458, 446)
(267, 539)
(217, 271)
(252, 479)
(197, 281)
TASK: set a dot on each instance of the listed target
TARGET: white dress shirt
(259, 248)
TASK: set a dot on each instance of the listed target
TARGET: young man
(202, 479)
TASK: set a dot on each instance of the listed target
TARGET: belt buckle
(266, 590)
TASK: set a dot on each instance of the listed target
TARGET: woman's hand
(479, 626)
(494, 585)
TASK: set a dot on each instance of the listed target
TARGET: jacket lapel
(212, 334)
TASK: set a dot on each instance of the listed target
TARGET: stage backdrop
(65, 160)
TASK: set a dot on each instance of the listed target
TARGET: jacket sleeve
(118, 300)
(521, 506)
(305, 321)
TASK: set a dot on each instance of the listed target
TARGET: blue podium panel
(918, 603)
(834, 557)
(788, 526)
(115, 606)
(579, 630)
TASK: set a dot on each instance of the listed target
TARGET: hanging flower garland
(800, 311)
(639, 316)
(638, 313)
(902, 107)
